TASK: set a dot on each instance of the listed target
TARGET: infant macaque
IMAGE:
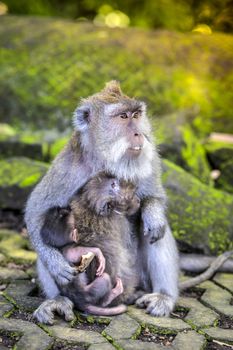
(96, 222)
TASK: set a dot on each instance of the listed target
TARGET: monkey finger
(143, 301)
(101, 267)
(102, 263)
(160, 305)
(66, 276)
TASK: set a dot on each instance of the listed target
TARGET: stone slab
(188, 340)
(218, 298)
(76, 335)
(198, 314)
(33, 337)
(225, 279)
(122, 326)
(220, 334)
(166, 323)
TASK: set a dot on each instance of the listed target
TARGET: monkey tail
(106, 311)
(214, 267)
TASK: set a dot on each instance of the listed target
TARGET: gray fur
(75, 165)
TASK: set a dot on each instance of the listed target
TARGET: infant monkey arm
(74, 254)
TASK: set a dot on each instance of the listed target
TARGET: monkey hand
(61, 270)
(101, 260)
(156, 304)
(154, 225)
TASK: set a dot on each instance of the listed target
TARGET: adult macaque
(112, 134)
(96, 222)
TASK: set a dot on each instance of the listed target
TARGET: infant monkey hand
(74, 255)
(101, 261)
(86, 259)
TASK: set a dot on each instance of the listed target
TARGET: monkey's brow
(125, 110)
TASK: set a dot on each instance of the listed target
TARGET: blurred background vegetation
(176, 55)
(184, 15)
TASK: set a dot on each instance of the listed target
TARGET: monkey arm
(153, 199)
(55, 189)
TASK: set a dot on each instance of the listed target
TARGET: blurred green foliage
(181, 15)
(48, 64)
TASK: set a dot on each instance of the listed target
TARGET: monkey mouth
(117, 212)
(135, 148)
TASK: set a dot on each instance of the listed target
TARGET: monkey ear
(81, 118)
(113, 87)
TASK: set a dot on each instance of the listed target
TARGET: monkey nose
(115, 185)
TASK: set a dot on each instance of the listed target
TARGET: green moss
(161, 330)
(6, 131)
(194, 156)
(21, 171)
(30, 180)
(137, 333)
(16, 248)
(198, 214)
(178, 143)
(57, 146)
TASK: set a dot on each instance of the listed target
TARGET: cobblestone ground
(203, 318)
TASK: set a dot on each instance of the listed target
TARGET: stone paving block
(106, 346)
(199, 315)
(225, 279)
(218, 298)
(2, 347)
(171, 324)
(189, 340)
(139, 345)
(12, 274)
(33, 337)
(19, 292)
(122, 327)
(19, 288)
(76, 335)
(5, 306)
(225, 335)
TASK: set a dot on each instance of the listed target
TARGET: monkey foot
(156, 304)
(62, 305)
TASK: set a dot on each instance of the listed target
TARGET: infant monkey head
(59, 227)
(106, 195)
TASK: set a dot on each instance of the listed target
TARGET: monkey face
(113, 122)
(127, 202)
(115, 129)
(108, 195)
(102, 192)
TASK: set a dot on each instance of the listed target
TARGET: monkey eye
(135, 114)
(123, 115)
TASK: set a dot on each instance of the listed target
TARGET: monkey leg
(99, 288)
(159, 275)
(47, 282)
(74, 254)
(62, 305)
(115, 292)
